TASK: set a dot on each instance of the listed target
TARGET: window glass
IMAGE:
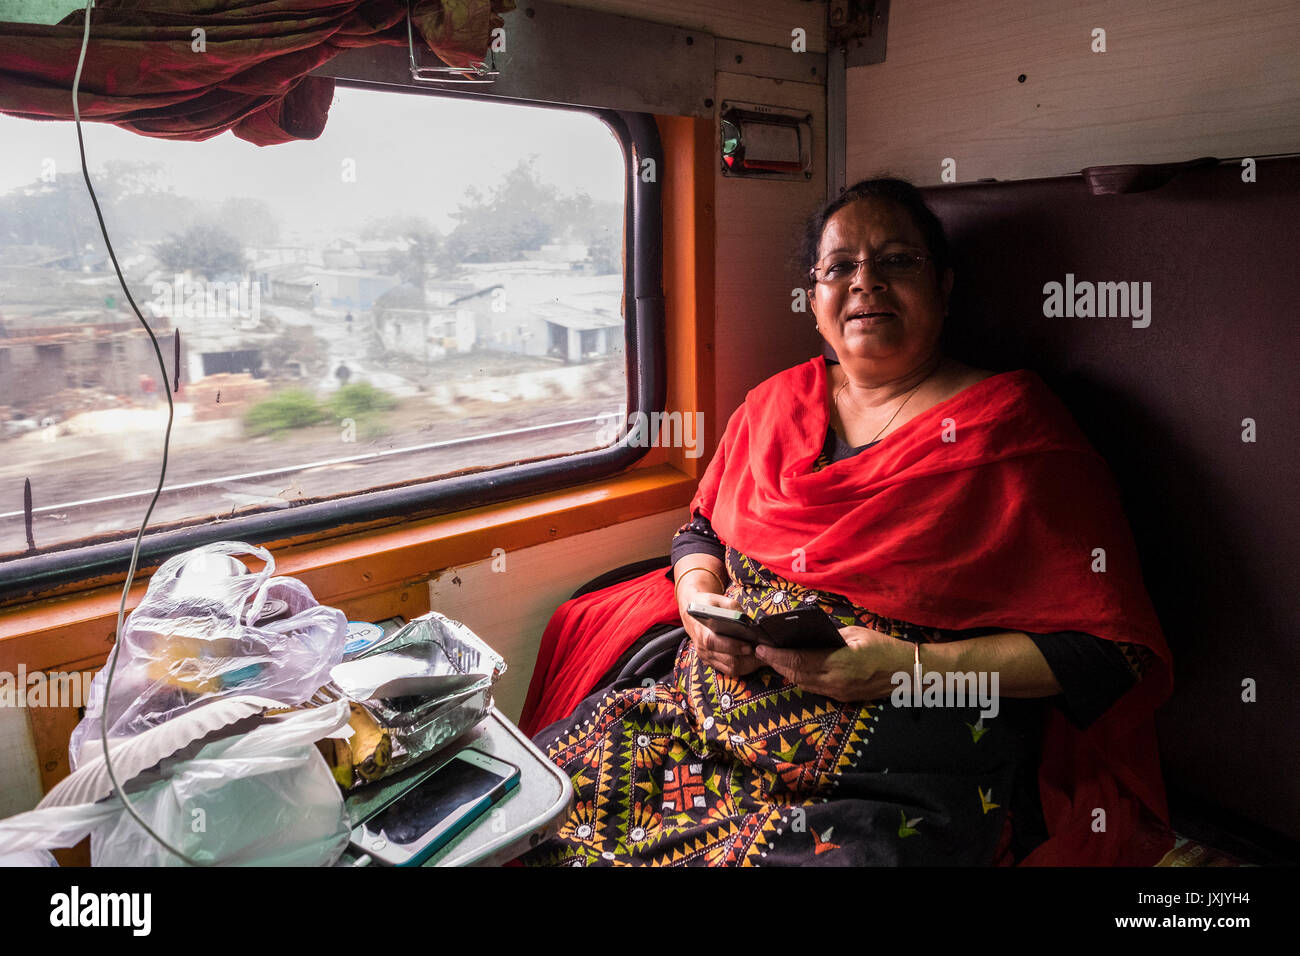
(432, 285)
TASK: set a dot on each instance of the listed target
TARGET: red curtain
(145, 71)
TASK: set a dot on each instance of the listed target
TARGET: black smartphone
(808, 627)
(805, 627)
(727, 622)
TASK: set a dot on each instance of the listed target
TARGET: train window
(430, 292)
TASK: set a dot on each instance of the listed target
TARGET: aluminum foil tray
(420, 725)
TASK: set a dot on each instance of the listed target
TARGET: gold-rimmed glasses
(895, 264)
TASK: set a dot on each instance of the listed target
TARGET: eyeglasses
(888, 265)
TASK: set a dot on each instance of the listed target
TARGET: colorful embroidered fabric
(705, 769)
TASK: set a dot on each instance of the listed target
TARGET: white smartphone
(426, 818)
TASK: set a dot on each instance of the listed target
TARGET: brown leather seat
(1215, 517)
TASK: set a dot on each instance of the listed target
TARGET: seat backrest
(1216, 517)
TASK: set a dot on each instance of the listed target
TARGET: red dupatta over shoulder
(988, 510)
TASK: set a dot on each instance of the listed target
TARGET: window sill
(76, 631)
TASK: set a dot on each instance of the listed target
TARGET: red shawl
(986, 510)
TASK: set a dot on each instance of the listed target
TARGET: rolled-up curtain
(149, 69)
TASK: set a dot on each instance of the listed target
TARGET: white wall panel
(509, 609)
(20, 785)
(758, 225)
(1179, 79)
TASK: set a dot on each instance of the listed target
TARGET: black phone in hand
(800, 629)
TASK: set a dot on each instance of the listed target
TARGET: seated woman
(952, 521)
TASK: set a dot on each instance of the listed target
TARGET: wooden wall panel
(756, 21)
(757, 227)
(1180, 79)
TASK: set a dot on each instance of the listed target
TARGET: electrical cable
(162, 477)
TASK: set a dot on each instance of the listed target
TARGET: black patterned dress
(708, 769)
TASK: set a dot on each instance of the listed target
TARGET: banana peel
(338, 755)
(371, 744)
(363, 757)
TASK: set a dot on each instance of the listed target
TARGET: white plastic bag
(196, 637)
(264, 797)
(38, 858)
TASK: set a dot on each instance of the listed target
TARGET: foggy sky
(414, 154)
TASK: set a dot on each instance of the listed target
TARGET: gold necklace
(910, 393)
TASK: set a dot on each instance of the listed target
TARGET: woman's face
(909, 311)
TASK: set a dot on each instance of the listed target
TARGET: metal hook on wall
(483, 73)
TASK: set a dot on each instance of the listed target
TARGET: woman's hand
(861, 671)
(724, 654)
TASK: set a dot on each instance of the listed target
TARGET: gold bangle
(679, 581)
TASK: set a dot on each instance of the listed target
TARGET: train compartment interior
(561, 341)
